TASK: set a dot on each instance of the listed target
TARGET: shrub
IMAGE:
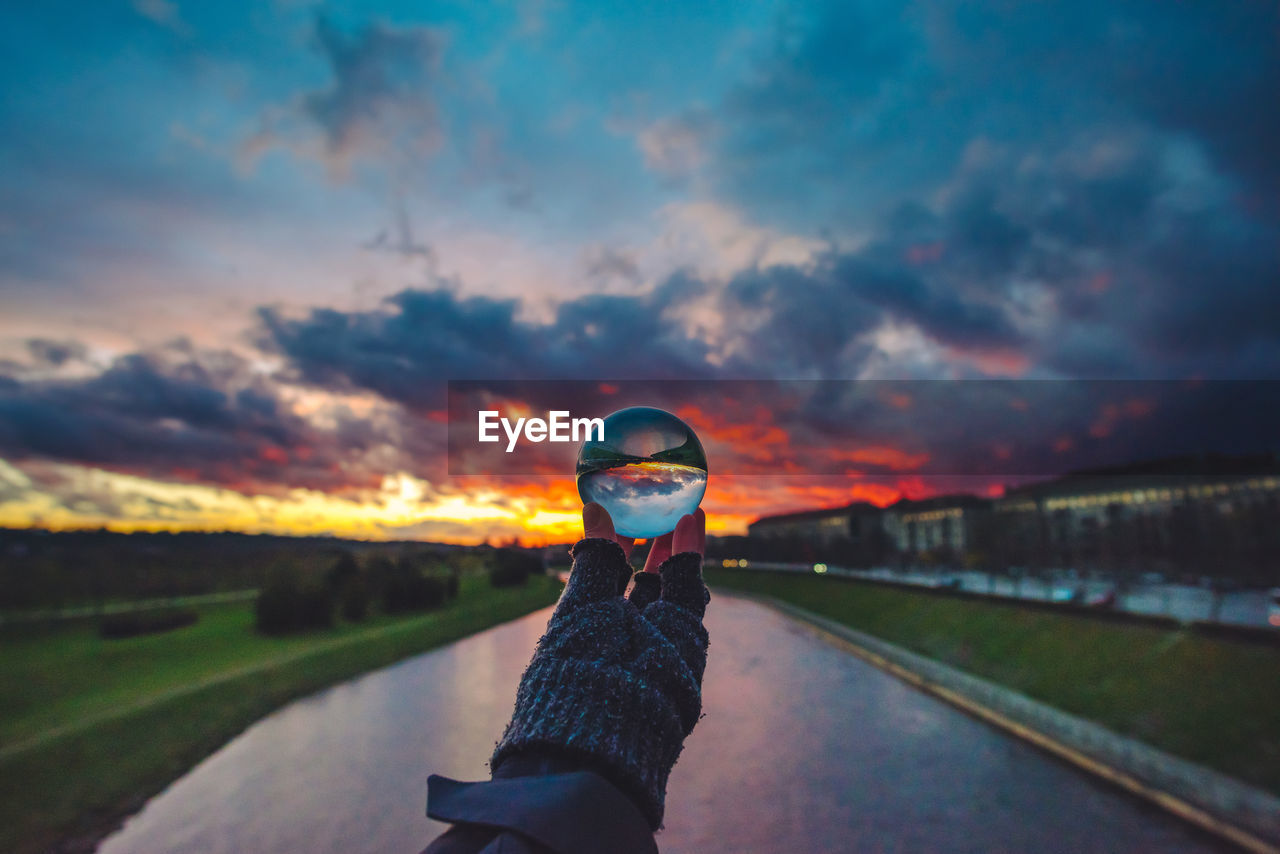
(287, 604)
(119, 626)
(354, 600)
(343, 571)
(405, 588)
(511, 567)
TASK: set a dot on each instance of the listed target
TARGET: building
(853, 535)
(1191, 517)
(824, 525)
(1203, 515)
(945, 529)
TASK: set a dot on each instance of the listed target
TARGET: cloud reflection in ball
(647, 471)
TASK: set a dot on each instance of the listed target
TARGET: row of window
(1144, 496)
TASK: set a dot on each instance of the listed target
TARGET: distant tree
(511, 567)
(404, 588)
(342, 572)
(287, 604)
(354, 599)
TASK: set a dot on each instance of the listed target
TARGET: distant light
(728, 562)
(742, 562)
(1274, 619)
(819, 568)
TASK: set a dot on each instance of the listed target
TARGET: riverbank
(1215, 702)
(90, 729)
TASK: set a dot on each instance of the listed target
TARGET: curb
(1240, 814)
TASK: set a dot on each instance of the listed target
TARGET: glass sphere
(647, 471)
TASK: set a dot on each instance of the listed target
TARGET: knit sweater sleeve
(611, 686)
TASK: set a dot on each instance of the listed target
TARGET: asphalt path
(802, 748)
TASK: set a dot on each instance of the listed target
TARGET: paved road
(803, 748)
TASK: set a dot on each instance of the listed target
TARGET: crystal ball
(648, 470)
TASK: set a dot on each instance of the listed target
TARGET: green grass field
(89, 729)
(1211, 701)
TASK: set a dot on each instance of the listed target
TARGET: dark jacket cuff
(603, 715)
(574, 813)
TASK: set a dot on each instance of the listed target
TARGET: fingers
(690, 535)
(658, 552)
(596, 523)
(646, 588)
(682, 582)
(600, 569)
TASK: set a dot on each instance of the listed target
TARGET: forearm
(612, 688)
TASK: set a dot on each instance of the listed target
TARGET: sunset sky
(244, 246)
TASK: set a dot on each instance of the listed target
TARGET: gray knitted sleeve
(617, 683)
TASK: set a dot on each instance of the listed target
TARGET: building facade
(853, 534)
(947, 529)
(1187, 518)
(1215, 524)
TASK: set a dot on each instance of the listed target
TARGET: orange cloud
(996, 361)
(898, 400)
(879, 455)
(924, 253)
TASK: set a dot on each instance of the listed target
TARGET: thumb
(596, 522)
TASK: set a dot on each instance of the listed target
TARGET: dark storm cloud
(1209, 70)
(1065, 190)
(381, 99)
(1116, 158)
(1150, 267)
(605, 265)
(407, 349)
(858, 100)
(43, 355)
(994, 429)
(55, 354)
(1104, 256)
(377, 71)
(179, 414)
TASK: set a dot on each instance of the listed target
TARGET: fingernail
(592, 515)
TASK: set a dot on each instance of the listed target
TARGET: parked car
(1102, 601)
(1068, 595)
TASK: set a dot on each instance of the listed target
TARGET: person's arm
(603, 708)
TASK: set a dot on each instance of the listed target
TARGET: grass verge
(90, 729)
(1215, 702)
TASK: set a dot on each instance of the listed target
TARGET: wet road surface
(803, 748)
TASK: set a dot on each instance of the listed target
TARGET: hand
(616, 683)
(690, 535)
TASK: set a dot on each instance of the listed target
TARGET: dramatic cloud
(380, 101)
(675, 148)
(861, 103)
(184, 415)
(407, 349)
(845, 191)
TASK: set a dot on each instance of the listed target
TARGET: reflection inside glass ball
(647, 471)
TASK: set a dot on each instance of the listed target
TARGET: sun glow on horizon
(534, 511)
